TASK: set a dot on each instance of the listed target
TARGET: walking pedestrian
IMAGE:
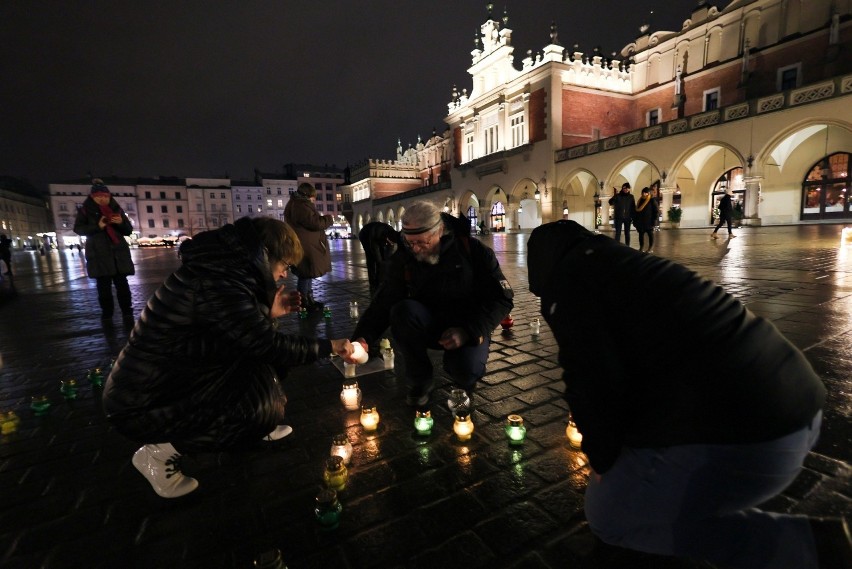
(201, 370)
(379, 241)
(683, 452)
(301, 213)
(726, 214)
(104, 224)
(647, 214)
(625, 206)
(443, 290)
(6, 252)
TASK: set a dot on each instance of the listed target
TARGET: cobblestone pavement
(71, 498)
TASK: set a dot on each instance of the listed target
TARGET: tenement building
(753, 96)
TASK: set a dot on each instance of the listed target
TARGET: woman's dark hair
(281, 242)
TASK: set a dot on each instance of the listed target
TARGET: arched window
(471, 215)
(498, 217)
(732, 179)
(825, 191)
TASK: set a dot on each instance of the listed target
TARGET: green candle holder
(326, 313)
(68, 388)
(516, 432)
(96, 377)
(328, 509)
(40, 405)
(423, 422)
(303, 314)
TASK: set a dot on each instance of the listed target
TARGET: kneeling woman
(201, 368)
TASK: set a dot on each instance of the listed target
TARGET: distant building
(210, 204)
(24, 215)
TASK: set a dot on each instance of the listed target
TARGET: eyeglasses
(421, 244)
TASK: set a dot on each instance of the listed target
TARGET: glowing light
(340, 446)
(351, 394)
(463, 427)
(369, 418)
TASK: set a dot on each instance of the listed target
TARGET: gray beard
(428, 259)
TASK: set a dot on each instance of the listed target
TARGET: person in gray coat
(104, 224)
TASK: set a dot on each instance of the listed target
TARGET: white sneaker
(160, 464)
(279, 433)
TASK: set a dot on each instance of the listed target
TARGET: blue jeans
(700, 501)
(415, 330)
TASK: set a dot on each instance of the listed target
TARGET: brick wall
(582, 112)
(538, 116)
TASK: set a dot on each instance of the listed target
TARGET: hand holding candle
(359, 354)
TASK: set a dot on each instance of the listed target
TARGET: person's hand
(285, 302)
(102, 222)
(116, 219)
(343, 348)
(454, 338)
(348, 358)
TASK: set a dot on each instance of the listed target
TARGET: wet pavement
(71, 498)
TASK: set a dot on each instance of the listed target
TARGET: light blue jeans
(700, 501)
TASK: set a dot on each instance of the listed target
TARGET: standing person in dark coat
(646, 216)
(6, 252)
(443, 290)
(726, 214)
(202, 368)
(379, 241)
(683, 451)
(302, 215)
(104, 224)
(625, 206)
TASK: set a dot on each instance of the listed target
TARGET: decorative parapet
(837, 87)
(416, 192)
(492, 168)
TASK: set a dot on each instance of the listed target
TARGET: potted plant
(674, 216)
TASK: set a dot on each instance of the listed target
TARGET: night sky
(209, 88)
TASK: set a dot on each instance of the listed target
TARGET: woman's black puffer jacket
(200, 368)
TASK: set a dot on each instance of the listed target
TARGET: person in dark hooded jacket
(682, 450)
(104, 224)
(442, 290)
(379, 241)
(201, 369)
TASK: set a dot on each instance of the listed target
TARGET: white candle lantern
(575, 438)
(353, 309)
(463, 427)
(349, 369)
(351, 395)
(535, 326)
(369, 418)
(340, 446)
(387, 356)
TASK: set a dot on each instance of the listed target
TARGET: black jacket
(726, 207)
(103, 257)
(465, 289)
(725, 375)
(646, 218)
(624, 205)
(185, 361)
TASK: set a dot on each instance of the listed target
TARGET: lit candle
(575, 438)
(326, 313)
(9, 423)
(507, 322)
(463, 427)
(303, 313)
(384, 344)
(340, 446)
(353, 309)
(387, 356)
(516, 432)
(535, 326)
(336, 474)
(423, 422)
(351, 394)
(359, 354)
(369, 418)
(40, 404)
(96, 376)
(328, 509)
(68, 388)
(349, 370)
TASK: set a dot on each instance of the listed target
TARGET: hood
(548, 244)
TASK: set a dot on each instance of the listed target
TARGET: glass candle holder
(326, 313)
(458, 402)
(423, 422)
(68, 388)
(575, 438)
(463, 427)
(269, 560)
(535, 326)
(9, 422)
(336, 474)
(516, 432)
(387, 356)
(340, 446)
(328, 509)
(351, 394)
(349, 370)
(507, 322)
(369, 418)
(354, 312)
(303, 313)
(40, 404)
(96, 377)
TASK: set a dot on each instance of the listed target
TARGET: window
(268, 192)
(162, 195)
(240, 208)
(198, 207)
(653, 117)
(250, 208)
(492, 139)
(825, 191)
(149, 209)
(212, 196)
(165, 223)
(164, 209)
(468, 143)
(279, 191)
(222, 195)
(212, 207)
(147, 195)
(518, 137)
(237, 197)
(63, 207)
(179, 208)
(280, 203)
(711, 99)
(329, 197)
(150, 223)
(259, 208)
(269, 202)
(789, 77)
(180, 222)
(177, 195)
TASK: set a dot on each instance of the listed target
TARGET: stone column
(666, 192)
(753, 198)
